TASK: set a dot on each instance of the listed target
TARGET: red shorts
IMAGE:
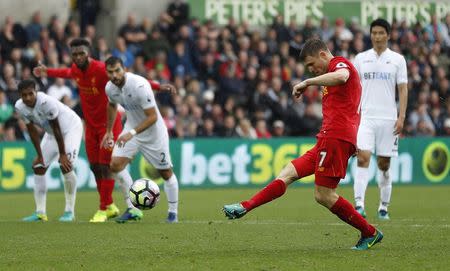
(328, 160)
(97, 154)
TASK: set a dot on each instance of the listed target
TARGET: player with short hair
(336, 142)
(91, 78)
(381, 70)
(63, 132)
(144, 129)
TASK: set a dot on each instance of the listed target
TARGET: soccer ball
(144, 194)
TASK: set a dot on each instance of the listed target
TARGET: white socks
(171, 189)
(360, 185)
(125, 181)
(40, 193)
(385, 185)
(70, 191)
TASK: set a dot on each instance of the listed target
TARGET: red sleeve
(338, 63)
(155, 85)
(61, 72)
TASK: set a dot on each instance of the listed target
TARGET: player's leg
(366, 141)
(159, 157)
(386, 147)
(49, 153)
(332, 161)
(93, 155)
(343, 209)
(298, 168)
(121, 157)
(385, 186)
(104, 180)
(171, 189)
(72, 143)
(123, 178)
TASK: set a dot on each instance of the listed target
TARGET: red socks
(345, 211)
(272, 191)
(105, 188)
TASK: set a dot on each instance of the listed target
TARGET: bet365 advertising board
(207, 163)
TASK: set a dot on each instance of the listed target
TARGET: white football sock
(360, 185)
(171, 189)
(40, 193)
(70, 191)
(125, 181)
(385, 185)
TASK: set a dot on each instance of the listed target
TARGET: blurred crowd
(233, 81)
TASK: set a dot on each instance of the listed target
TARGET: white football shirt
(135, 96)
(379, 77)
(48, 108)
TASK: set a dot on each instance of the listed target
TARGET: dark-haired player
(381, 71)
(63, 132)
(336, 142)
(144, 130)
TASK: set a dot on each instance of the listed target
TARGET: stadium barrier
(208, 163)
(262, 12)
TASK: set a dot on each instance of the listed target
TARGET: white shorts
(156, 154)
(72, 141)
(377, 136)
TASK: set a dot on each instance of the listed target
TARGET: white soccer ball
(144, 194)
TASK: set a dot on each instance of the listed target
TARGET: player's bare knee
(116, 166)
(64, 171)
(320, 198)
(363, 159)
(39, 170)
(288, 174)
(383, 164)
(165, 173)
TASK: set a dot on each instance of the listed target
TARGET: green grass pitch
(291, 233)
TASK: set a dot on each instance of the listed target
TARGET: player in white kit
(381, 70)
(62, 138)
(144, 130)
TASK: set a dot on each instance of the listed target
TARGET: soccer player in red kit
(91, 78)
(336, 142)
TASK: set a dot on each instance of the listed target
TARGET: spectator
(278, 129)
(261, 129)
(123, 52)
(35, 27)
(133, 34)
(154, 44)
(178, 11)
(6, 109)
(180, 62)
(58, 90)
(245, 129)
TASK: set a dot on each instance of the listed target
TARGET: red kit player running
(91, 79)
(336, 142)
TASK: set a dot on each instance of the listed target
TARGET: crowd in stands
(232, 81)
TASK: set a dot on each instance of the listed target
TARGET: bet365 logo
(436, 162)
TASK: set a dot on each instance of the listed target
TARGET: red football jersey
(341, 104)
(91, 87)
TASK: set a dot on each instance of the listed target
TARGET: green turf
(292, 233)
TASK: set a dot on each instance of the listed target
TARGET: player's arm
(162, 87)
(64, 161)
(402, 87)
(150, 119)
(403, 100)
(36, 140)
(334, 78)
(42, 71)
(111, 113)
